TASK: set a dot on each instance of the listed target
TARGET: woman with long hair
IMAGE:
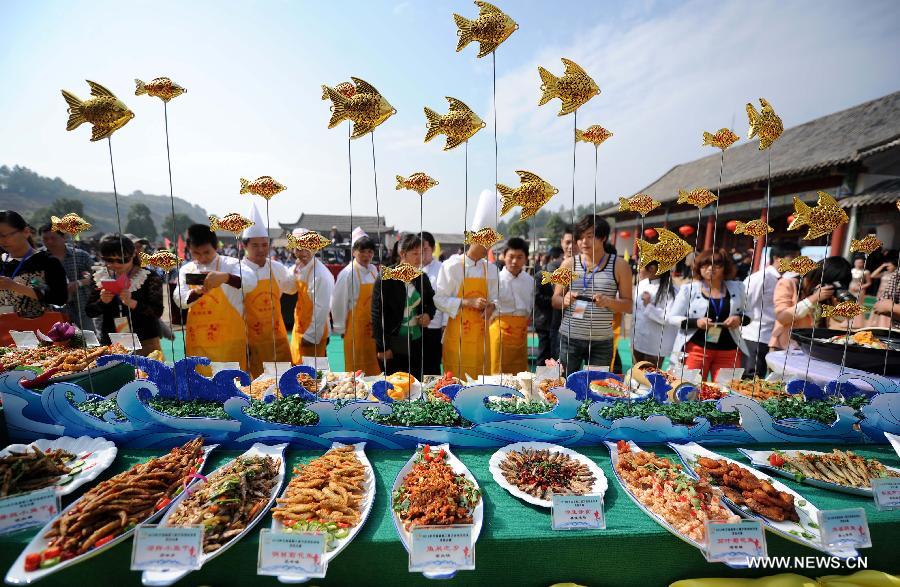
(128, 297)
(407, 309)
(710, 309)
(654, 337)
(797, 299)
(30, 280)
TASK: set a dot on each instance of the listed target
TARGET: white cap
(298, 232)
(358, 233)
(259, 226)
(486, 210)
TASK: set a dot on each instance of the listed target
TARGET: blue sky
(253, 70)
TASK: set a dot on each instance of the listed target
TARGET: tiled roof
(322, 223)
(883, 192)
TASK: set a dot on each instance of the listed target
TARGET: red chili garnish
(776, 460)
(163, 502)
(104, 540)
(51, 552)
(32, 562)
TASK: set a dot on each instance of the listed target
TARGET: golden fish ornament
(594, 134)
(263, 186)
(801, 265)
(459, 124)
(70, 223)
(532, 193)
(418, 182)
(104, 111)
(765, 124)
(755, 228)
(402, 272)
(308, 241)
(700, 197)
(848, 309)
(640, 203)
(161, 87)
(232, 222)
(561, 276)
(668, 251)
(486, 237)
(366, 108)
(821, 219)
(898, 205)
(165, 260)
(867, 245)
(346, 89)
(574, 88)
(491, 28)
(722, 139)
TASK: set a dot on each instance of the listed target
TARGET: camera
(841, 293)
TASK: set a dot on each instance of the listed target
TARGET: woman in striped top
(601, 287)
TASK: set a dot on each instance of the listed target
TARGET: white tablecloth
(820, 372)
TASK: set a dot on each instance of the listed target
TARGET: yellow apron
(303, 318)
(359, 342)
(515, 344)
(215, 330)
(617, 332)
(469, 322)
(258, 308)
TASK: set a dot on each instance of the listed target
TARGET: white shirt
(450, 278)
(651, 321)
(516, 293)
(286, 282)
(760, 330)
(219, 263)
(432, 270)
(346, 292)
(319, 287)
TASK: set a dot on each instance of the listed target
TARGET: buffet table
(516, 547)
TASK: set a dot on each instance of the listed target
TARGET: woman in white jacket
(709, 310)
(654, 335)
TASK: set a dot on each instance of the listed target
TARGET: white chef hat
(259, 225)
(298, 232)
(486, 210)
(358, 233)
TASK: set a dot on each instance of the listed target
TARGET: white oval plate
(793, 531)
(162, 578)
(16, 575)
(460, 469)
(100, 455)
(600, 483)
(367, 501)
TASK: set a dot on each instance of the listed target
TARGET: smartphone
(584, 298)
(195, 278)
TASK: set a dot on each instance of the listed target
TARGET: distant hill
(25, 192)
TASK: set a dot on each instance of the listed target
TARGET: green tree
(140, 222)
(60, 207)
(519, 228)
(554, 228)
(182, 222)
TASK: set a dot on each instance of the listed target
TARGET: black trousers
(406, 359)
(545, 350)
(755, 362)
(433, 351)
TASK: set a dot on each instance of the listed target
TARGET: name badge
(579, 308)
(577, 512)
(28, 509)
(886, 491)
(165, 548)
(847, 527)
(713, 333)
(121, 324)
(296, 555)
(735, 543)
(442, 548)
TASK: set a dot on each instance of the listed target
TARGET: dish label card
(320, 363)
(577, 512)
(276, 369)
(126, 339)
(164, 548)
(886, 491)
(28, 509)
(24, 340)
(294, 554)
(845, 528)
(442, 548)
(90, 338)
(733, 543)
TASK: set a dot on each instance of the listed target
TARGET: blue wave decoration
(54, 412)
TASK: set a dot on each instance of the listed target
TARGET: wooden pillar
(837, 240)
(710, 229)
(758, 249)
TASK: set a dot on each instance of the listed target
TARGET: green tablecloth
(516, 547)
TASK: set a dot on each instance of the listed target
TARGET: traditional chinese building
(853, 155)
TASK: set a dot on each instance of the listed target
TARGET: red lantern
(625, 234)
(791, 218)
(686, 230)
(650, 233)
(731, 225)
